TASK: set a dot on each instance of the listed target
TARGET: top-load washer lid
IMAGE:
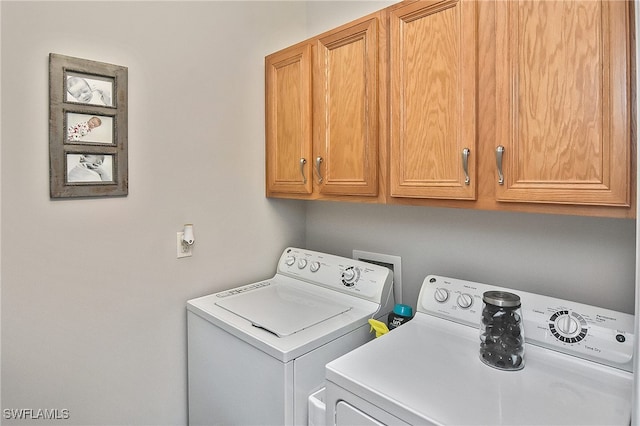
(282, 310)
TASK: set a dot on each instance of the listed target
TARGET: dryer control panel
(354, 277)
(585, 331)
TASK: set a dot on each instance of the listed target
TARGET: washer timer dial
(568, 327)
(350, 276)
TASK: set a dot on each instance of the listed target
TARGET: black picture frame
(88, 119)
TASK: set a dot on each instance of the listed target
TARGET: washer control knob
(441, 295)
(302, 263)
(314, 266)
(350, 276)
(465, 301)
(290, 260)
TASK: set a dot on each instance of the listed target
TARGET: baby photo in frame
(88, 145)
(89, 168)
(89, 128)
(90, 90)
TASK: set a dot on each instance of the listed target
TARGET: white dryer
(256, 352)
(578, 369)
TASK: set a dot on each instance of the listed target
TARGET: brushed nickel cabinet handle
(499, 154)
(302, 163)
(318, 163)
(465, 165)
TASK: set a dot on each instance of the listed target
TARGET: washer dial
(441, 295)
(567, 326)
(350, 276)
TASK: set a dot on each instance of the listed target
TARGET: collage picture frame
(88, 148)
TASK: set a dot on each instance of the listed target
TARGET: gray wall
(93, 297)
(93, 316)
(583, 259)
(325, 15)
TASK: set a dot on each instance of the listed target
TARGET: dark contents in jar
(502, 342)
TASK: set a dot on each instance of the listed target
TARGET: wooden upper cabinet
(288, 120)
(345, 111)
(411, 105)
(322, 114)
(563, 101)
(433, 99)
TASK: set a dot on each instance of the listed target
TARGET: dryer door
(347, 415)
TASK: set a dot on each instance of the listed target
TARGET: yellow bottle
(379, 327)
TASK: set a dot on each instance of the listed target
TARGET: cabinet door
(288, 121)
(433, 99)
(346, 110)
(562, 87)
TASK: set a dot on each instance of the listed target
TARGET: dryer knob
(567, 325)
(302, 263)
(465, 300)
(290, 260)
(314, 266)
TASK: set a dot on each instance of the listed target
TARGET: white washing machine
(256, 352)
(578, 366)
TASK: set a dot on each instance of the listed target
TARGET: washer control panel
(577, 329)
(354, 277)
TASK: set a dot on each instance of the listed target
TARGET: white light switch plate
(183, 250)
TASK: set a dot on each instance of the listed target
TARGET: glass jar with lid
(501, 331)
